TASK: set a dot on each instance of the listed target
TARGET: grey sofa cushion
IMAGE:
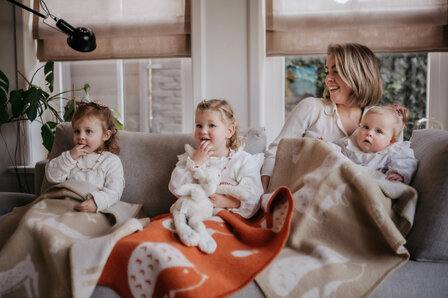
(148, 160)
(428, 239)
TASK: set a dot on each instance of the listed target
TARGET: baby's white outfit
(396, 158)
(103, 170)
(311, 117)
(240, 178)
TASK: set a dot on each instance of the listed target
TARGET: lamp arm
(64, 26)
(27, 8)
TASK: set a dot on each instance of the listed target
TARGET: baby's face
(211, 128)
(375, 133)
(89, 132)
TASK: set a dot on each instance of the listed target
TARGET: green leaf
(17, 103)
(52, 124)
(4, 83)
(4, 116)
(69, 110)
(47, 136)
(4, 89)
(49, 74)
(32, 100)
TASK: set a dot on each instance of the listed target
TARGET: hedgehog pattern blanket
(155, 263)
(47, 249)
(348, 227)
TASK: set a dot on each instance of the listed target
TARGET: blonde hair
(104, 114)
(398, 113)
(358, 67)
(227, 115)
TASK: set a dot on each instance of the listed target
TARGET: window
(404, 82)
(147, 93)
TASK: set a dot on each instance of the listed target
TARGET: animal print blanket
(155, 263)
(47, 249)
(348, 228)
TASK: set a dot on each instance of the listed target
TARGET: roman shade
(123, 29)
(303, 27)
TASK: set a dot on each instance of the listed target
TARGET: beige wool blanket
(348, 227)
(47, 249)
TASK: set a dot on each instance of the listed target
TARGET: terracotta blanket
(346, 234)
(154, 263)
(47, 249)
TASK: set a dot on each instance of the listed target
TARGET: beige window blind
(123, 29)
(303, 27)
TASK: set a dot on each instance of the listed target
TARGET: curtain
(123, 29)
(303, 27)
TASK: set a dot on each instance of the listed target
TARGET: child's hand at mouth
(78, 151)
(205, 150)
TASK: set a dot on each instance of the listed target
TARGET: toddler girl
(375, 143)
(219, 145)
(93, 158)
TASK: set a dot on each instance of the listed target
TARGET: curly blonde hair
(358, 67)
(103, 113)
(227, 115)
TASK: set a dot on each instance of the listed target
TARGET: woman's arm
(305, 113)
(265, 182)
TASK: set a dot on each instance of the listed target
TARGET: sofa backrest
(428, 238)
(148, 160)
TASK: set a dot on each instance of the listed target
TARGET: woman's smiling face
(339, 91)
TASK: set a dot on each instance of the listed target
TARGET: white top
(240, 178)
(103, 170)
(398, 157)
(311, 117)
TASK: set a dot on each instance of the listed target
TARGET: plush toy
(193, 206)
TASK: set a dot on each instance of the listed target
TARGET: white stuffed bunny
(193, 206)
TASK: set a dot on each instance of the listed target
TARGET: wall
(8, 64)
(17, 53)
(438, 87)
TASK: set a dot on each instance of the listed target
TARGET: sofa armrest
(9, 200)
(39, 175)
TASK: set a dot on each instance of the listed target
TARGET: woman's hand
(265, 182)
(78, 151)
(224, 201)
(88, 205)
(205, 150)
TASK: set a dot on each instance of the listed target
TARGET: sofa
(148, 160)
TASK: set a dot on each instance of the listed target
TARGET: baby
(375, 144)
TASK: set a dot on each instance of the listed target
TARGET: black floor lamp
(81, 39)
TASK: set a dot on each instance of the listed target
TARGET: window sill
(21, 169)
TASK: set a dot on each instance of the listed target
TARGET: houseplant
(30, 103)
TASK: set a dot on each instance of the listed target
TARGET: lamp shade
(81, 39)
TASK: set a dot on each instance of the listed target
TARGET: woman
(353, 83)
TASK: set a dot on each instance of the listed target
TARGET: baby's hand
(78, 151)
(205, 150)
(224, 201)
(395, 177)
(88, 205)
